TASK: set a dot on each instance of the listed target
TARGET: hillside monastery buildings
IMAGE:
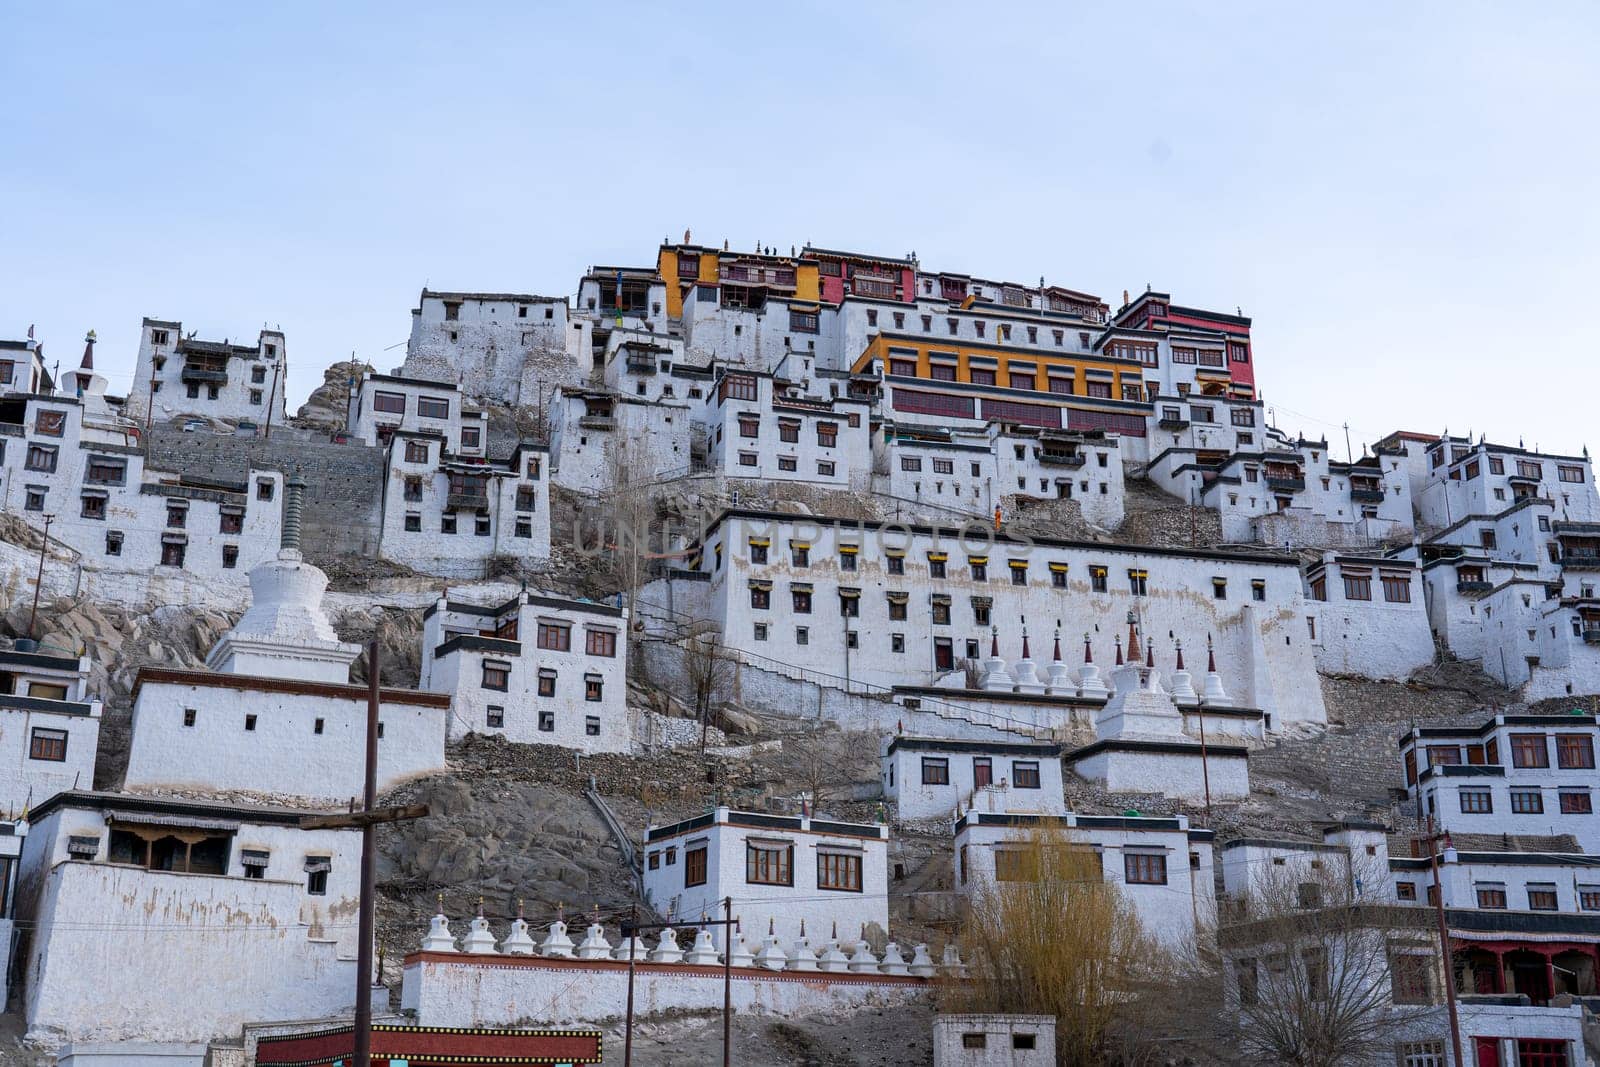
(916, 489)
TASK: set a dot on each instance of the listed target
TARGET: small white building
(1353, 853)
(1159, 864)
(451, 515)
(1513, 774)
(22, 367)
(49, 726)
(274, 712)
(535, 670)
(934, 777)
(512, 348)
(381, 404)
(155, 919)
(783, 872)
(182, 375)
(994, 1040)
(1367, 615)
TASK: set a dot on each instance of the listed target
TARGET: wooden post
(1444, 943)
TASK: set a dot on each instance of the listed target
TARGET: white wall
(502, 991)
(121, 953)
(284, 754)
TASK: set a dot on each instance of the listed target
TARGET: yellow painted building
(785, 277)
(1002, 366)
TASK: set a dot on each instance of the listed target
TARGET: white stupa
(286, 634)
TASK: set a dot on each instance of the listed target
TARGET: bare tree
(1320, 974)
(1055, 938)
(708, 667)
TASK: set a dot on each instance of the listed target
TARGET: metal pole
(1205, 770)
(369, 867)
(1444, 945)
(629, 932)
(727, 981)
(38, 582)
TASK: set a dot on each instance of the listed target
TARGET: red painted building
(1156, 311)
(432, 1046)
(849, 274)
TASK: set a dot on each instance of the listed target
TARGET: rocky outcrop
(324, 409)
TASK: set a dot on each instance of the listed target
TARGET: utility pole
(38, 582)
(271, 398)
(630, 930)
(1444, 942)
(367, 820)
(1349, 456)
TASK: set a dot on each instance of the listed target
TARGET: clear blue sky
(1401, 195)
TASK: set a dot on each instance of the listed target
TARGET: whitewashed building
(381, 404)
(49, 726)
(274, 712)
(993, 1040)
(1512, 774)
(535, 670)
(600, 439)
(1353, 853)
(514, 348)
(1366, 615)
(1454, 478)
(934, 777)
(154, 919)
(78, 461)
(1284, 493)
(1161, 865)
(179, 375)
(947, 470)
(758, 427)
(781, 871)
(22, 367)
(453, 515)
(894, 604)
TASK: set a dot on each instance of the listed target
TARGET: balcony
(1580, 562)
(467, 501)
(642, 364)
(1367, 496)
(597, 422)
(1285, 485)
(1473, 586)
(203, 375)
(1524, 480)
(1073, 460)
(1592, 637)
(1171, 423)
